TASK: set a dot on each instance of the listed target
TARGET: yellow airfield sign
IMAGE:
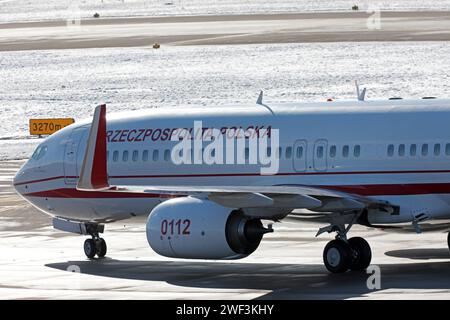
(48, 126)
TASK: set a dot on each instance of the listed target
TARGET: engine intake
(195, 228)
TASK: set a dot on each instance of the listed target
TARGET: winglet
(94, 174)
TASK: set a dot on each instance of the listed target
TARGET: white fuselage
(397, 151)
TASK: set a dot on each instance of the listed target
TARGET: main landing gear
(341, 254)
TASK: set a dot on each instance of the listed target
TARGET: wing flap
(241, 200)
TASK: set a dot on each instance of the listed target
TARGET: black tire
(101, 248)
(448, 240)
(337, 256)
(90, 248)
(362, 253)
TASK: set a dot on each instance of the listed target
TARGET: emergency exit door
(73, 155)
(320, 155)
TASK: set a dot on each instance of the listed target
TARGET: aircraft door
(320, 155)
(73, 152)
(299, 155)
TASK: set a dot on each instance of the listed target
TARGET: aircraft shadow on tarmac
(420, 254)
(285, 281)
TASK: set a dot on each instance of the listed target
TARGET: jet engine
(194, 228)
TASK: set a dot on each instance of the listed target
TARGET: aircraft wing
(277, 196)
(93, 176)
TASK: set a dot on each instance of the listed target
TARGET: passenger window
(319, 152)
(447, 149)
(269, 151)
(424, 150)
(357, 151)
(135, 155)
(390, 151)
(145, 155)
(299, 152)
(167, 155)
(125, 156)
(288, 152)
(115, 156)
(437, 149)
(279, 152)
(155, 155)
(345, 151)
(401, 150)
(247, 153)
(333, 151)
(412, 150)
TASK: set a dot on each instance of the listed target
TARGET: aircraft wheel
(448, 240)
(362, 254)
(101, 248)
(337, 256)
(90, 248)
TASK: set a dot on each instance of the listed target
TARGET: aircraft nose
(18, 178)
(15, 181)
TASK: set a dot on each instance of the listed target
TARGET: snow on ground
(70, 83)
(33, 10)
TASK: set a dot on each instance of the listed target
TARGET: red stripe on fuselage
(72, 193)
(392, 189)
(43, 180)
(250, 174)
(362, 190)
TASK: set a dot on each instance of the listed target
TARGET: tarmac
(38, 262)
(226, 29)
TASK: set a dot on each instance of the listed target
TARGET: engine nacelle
(195, 228)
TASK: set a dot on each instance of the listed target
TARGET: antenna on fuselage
(260, 102)
(360, 94)
(260, 98)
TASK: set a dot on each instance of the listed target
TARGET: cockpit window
(39, 152)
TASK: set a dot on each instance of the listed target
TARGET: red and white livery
(375, 163)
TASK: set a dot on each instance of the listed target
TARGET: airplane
(380, 164)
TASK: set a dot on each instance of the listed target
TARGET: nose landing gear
(95, 246)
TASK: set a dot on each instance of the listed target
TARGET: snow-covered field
(71, 82)
(33, 10)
